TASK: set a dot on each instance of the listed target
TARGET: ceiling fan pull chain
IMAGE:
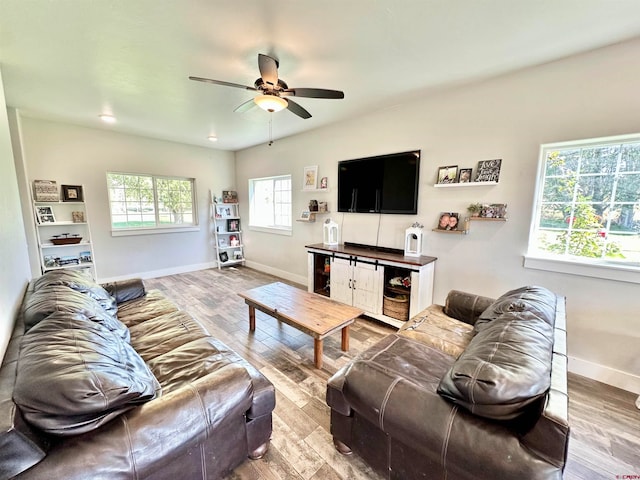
(270, 128)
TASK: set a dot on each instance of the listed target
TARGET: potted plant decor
(475, 209)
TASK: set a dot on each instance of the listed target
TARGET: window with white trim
(270, 204)
(587, 207)
(147, 202)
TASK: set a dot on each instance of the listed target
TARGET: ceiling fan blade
(243, 107)
(313, 93)
(298, 110)
(220, 82)
(268, 69)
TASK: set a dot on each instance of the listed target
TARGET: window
(146, 202)
(270, 204)
(587, 208)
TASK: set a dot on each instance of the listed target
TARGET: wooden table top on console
(312, 314)
(378, 253)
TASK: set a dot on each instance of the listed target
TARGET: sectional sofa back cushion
(75, 374)
(61, 298)
(80, 282)
(507, 365)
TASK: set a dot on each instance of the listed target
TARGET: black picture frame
(44, 214)
(464, 176)
(448, 174)
(72, 193)
(233, 225)
(224, 257)
(488, 170)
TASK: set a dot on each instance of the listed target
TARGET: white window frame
(284, 229)
(598, 268)
(156, 229)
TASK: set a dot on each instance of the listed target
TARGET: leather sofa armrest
(140, 441)
(466, 307)
(125, 290)
(335, 397)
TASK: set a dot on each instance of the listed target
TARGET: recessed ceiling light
(212, 138)
(107, 118)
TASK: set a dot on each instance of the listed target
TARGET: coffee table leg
(345, 339)
(252, 319)
(317, 352)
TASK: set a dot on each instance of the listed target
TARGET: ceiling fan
(272, 90)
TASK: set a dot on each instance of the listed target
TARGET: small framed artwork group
(487, 171)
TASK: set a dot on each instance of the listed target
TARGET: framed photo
(448, 221)
(488, 170)
(224, 257)
(310, 178)
(448, 174)
(222, 242)
(494, 210)
(85, 257)
(233, 225)
(305, 216)
(44, 214)
(45, 191)
(237, 255)
(324, 183)
(77, 217)
(229, 196)
(465, 175)
(72, 193)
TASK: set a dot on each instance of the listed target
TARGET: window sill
(274, 230)
(606, 271)
(124, 232)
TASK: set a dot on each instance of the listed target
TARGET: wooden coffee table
(310, 313)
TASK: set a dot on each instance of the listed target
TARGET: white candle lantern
(330, 233)
(413, 240)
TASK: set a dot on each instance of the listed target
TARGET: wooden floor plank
(605, 425)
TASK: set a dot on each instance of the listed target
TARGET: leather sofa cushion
(75, 374)
(433, 328)
(505, 368)
(466, 307)
(80, 282)
(61, 298)
(538, 300)
(151, 305)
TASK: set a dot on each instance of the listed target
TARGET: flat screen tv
(380, 184)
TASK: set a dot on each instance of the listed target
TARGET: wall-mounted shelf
(316, 190)
(312, 217)
(488, 219)
(459, 232)
(467, 184)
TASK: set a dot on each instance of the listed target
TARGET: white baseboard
(601, 373)
(302, 280)
(162, 273)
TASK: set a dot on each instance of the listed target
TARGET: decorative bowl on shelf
(65, 239)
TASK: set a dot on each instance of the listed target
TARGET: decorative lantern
(330, 233)
(413, 240)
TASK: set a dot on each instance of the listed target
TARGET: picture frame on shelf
(85, 257)
(224, 257)
(233, 225)
(45, 191)
(324, 183)
(78, 217)
(448, 174)
(229, 196)
(237, 255)
(51, 261)
(449, 221)
(488, 170)
(305, 216)
(494, 210)
(465, 175)
(310, 178)
(44, 214)
(222, 242)
(72, 193)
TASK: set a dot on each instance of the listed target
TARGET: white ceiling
(70, 60)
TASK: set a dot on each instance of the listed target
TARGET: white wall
(75, 155)
(14, 263)
(591, 95)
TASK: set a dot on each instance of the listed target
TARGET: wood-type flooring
(605, 435)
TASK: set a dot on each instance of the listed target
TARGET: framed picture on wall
(448, 174)
(310, 178)
(465, 175)
(72, 193)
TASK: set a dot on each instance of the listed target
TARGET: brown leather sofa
(118, 383)
(476, 389)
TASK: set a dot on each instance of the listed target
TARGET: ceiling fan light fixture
(271, 103)
(212, 138)
(107, 118)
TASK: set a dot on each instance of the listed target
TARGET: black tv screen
(380, 184)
